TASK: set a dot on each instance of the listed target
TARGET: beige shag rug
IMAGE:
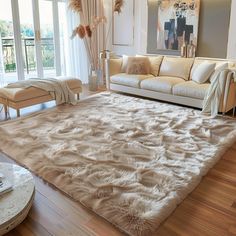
(132, 161)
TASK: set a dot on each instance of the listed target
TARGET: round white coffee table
(15, 205)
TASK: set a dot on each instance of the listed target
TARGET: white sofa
(172, 82)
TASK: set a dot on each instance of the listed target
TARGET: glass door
(31, 39)
(47, 37)
(7, 44)
(28, 38)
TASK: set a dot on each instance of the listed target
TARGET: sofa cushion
(129, 80)
(115, 66)
(162, 84)
(198, 61)
(191, 89)
(124, 63)
(22, 94)
(176, 67)
(155, 63)
(203, 71)
(138, 65)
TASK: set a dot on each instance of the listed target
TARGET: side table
(15, 205)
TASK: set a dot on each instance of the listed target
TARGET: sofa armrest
(113, 66)
(229, 81)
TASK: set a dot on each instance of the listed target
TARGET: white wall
(140, 30)
(231, 52)
(1, 64)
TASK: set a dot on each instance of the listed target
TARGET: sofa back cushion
(198, 61)
(203, 71)
(138, 66)
(115, 66)
(176, 67)
(124, 63)
(155, 63)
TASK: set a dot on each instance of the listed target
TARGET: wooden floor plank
(195, 218)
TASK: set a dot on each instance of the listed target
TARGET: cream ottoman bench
(18, 98)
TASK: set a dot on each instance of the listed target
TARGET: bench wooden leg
(5, 110)
(77, 96)
(18, 112)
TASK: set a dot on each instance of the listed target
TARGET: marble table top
(13, 203)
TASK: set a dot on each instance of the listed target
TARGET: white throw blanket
(212, 99)
(58, 89)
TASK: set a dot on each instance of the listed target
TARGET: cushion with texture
(155, 63)
(138, 66)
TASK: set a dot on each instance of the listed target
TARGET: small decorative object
(191, 50)
(93, 81)
(118, 5)
(88, 31)
(75, 5)
(80, 30)
(104, 54)
(177, 23)
(5, 185)
(184, 50)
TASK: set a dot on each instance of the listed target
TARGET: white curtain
(76, 57)
(1, 65)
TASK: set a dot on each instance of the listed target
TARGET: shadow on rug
(129, 160)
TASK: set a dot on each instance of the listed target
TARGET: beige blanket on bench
(58, 89)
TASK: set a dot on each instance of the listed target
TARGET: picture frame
(123, 32)
(177, 23)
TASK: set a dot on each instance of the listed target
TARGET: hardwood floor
(209, 210)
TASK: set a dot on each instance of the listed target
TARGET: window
(32, 39)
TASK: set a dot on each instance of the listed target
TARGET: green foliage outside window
(27, 33)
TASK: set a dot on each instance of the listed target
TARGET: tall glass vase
(93, 80)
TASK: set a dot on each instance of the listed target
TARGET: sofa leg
(18, 112)
(77, 96)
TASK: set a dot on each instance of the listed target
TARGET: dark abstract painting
(177, 23)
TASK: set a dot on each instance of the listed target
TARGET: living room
(117, 117)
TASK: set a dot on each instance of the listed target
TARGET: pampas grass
(118, 5)
(80, 30)
(75, 5)
(88, 31)
(92, 26)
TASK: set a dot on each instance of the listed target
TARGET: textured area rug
(130, 160)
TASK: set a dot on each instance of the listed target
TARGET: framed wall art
(177, 23)
(123, 25)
